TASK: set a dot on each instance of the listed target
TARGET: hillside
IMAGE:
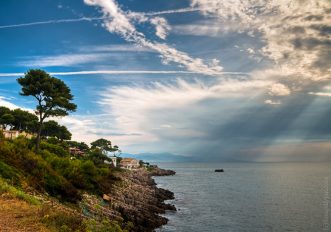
(54, 191)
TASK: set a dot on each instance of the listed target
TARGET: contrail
(53, 21)
(56, 21)
(183, 10)
(120, 72)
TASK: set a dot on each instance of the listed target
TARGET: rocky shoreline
(137, 199)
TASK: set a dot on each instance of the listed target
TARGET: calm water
(249, 197)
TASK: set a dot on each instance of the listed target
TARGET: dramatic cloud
(224, 119)
(172, 110)
(296, 33)
(120, 22)
(274, 102)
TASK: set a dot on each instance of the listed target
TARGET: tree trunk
(38, 137)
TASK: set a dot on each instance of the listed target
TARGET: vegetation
(17, 119)
(15, 192)
(53, 129)
(104, 145)
(44, 217)
(53, 96)
(52, 170)
(45, 165)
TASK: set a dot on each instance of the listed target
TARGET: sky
(212, 80)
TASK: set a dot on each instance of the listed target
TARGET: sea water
(250, 197)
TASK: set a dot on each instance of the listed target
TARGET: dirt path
(18, 216)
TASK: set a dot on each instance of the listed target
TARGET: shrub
(37, 171)
(53, 170)
(9, 172)
(54, 148)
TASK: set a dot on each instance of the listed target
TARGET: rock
(139, 201)
(219, 170)
(162, 172)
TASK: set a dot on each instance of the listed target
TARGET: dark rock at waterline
(162, 172)
(219, 170)
(138, 200)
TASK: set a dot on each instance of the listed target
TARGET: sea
(248, 197)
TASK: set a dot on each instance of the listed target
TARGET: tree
(81, 145)
(103, 144)
(98, 156)
(53, 96)
(7, 120)
(64, 134)
(24, 120)
(3, 112)
(53, 129)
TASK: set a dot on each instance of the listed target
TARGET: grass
(18, 215)
(14, 192)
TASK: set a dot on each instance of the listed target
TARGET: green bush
(104, 226)
(9, 172)
(54, 148)
(63, 222)
(37, 171)
(53, 171)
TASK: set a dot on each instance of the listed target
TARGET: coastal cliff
(140, 201)
(135, 201)
(80, 194)
(134, 204)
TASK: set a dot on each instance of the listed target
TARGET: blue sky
(210, 79)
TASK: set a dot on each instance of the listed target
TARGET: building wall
(14, 134)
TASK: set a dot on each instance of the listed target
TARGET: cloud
(66, 60)
(271, 102)
(250, 50)
(115, 48)
(296, 151)
(85, 128)
(223, 119)
(6, 103)
(197, 29)
(162, 27)
(320, 94)
(279, 90)
(160, 111)
(296, 33)
(120, 22)
(209, 27)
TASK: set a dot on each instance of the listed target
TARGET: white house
(114, 160)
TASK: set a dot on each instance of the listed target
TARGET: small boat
(219, 170)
